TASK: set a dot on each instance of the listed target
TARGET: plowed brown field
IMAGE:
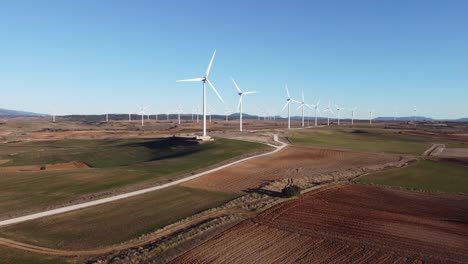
(347, 224)
(291, 162)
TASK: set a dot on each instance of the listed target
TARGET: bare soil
(457, 137)
(347, 224)
(292, 162)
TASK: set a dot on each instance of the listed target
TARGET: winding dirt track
(347, 224)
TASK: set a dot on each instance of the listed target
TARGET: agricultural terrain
(350, 223)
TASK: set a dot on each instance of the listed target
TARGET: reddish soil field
(347, 224)
(456, 137)
(291, 162)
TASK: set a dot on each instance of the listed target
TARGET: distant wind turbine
(205, 80)
(328, 110)
(352, 115)
(241, 96)
(338, 110)
(370, 116)
(179, 111)
(302, 105)
(142, 111)
(316, 108)
(288, 104)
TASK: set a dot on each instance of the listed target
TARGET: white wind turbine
(328, 110)
(317, 110)
(205, 80)
(241, 95)
(227, 111)
(338, 109)
(414, 113)
(302, 105)
(142, 110)
(179, 111)
(352, 115)
(370, 116)
(129, 116)
(288, 104)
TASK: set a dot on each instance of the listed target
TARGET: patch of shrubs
(43, 167)
(291, 191)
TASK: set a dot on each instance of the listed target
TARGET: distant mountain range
(15, 113)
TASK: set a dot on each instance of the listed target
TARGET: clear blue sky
(88, 56)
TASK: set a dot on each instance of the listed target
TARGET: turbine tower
(142, 110)
(302, 105)
(316, 108)
(352, 115)
(338, 109)
(288, 104)
(328, 110)
(205, 80)
(370, 116)
(241, 95)
(179, 111)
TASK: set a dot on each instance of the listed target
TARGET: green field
(116, 164)
(117, 221)
(424, 175)
(369, 140)
(14, 256)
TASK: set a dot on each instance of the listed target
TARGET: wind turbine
(302, 105)
(370, 116)
(205, 80)
(241, 95)
(179, 111)
(288, 104)
(328, 110)
(316, 107)
(129, 116)
(414, 113)
(226, 111)
(338, 109)
(352, 115)
(142, 110)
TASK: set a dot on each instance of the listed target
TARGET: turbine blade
(254, 92)
(318, 102)
(295, 101)
(191, 80)
(209, 65)
(216, 91)
(302, 95)
(284, 107)
(287, 91)
(300, 107)
(237, 86)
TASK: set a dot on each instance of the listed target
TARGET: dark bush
(43, 167)
(291, 191)
(359, 131)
